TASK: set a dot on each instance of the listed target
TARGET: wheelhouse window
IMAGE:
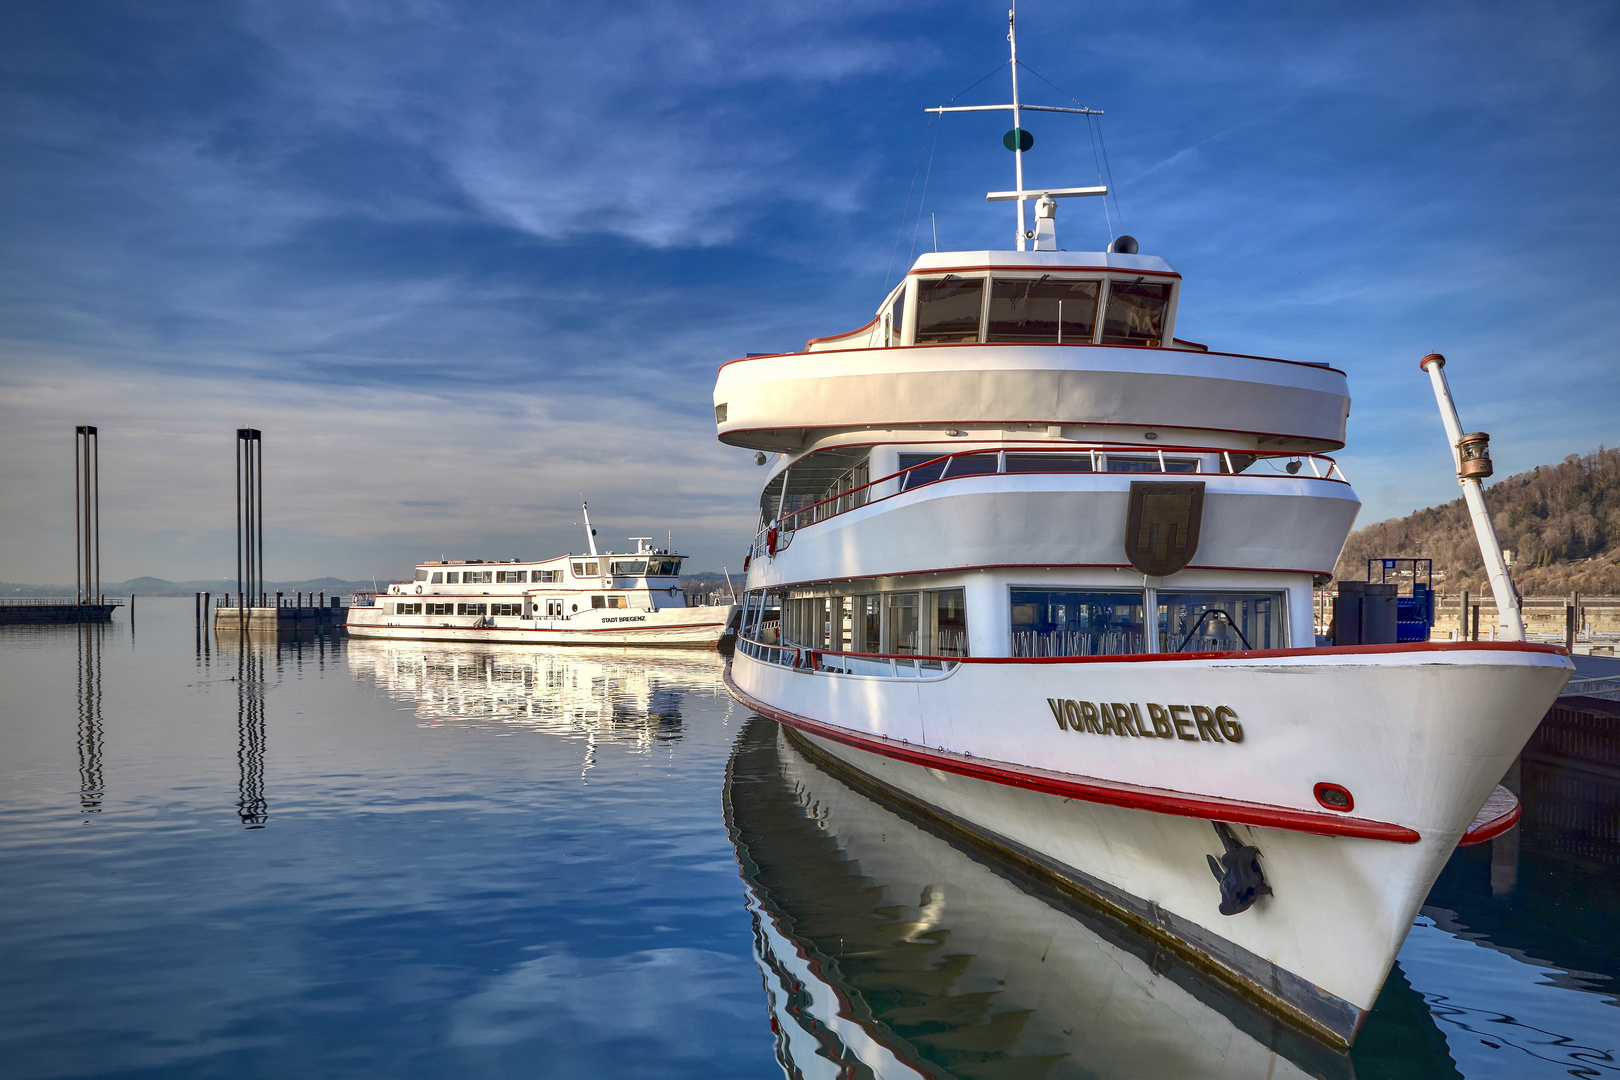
(438, 579)
(421, 575)
(587, 569)
(629, 567)
(1135, 312)
(1049, 622)
(1219, 622)
(1042, 310)
(948, 309)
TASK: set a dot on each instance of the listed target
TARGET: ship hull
(1418, 736)
(686, 627)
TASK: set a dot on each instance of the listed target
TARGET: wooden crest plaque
(1161, 529)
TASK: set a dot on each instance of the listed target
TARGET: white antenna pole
(1018, 152)
(1508, 615)
(590, 533)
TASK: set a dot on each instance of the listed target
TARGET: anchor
(1238, 871)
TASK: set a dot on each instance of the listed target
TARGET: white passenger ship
(1043, 571)
(605, 598)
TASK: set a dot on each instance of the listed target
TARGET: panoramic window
(971, 465)
(618, 602)
(541, 576)
(472, 609)
(1048, 622)
(1120, 463)
(421, 575)
(629, 567)
(407, 609)
(867, 633)
(950, 623)
(897, 323)
(1029, 310)
(932, 468)
(476, 577)
(1135, 313)
(598, 601)
(1061, 463)
(1219, 622)
(948, 309)
(506, 609)
(439, 609)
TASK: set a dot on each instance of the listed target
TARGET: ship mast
(1018, 140)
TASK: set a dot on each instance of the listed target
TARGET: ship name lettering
(1192, 723)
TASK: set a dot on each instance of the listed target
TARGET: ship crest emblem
(1161, 530)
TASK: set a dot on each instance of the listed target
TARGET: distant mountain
(1561, 523)
(151, 586)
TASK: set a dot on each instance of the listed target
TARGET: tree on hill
(1561, 523)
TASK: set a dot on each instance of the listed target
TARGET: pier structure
(88, 603)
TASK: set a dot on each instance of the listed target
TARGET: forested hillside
(1561, 523)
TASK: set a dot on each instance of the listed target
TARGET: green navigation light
(1018, 139)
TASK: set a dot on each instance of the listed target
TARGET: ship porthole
(1335, 797)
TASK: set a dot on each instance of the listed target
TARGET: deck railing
(775, 536)
(848, 663)
(1607, 687)
(59, 601)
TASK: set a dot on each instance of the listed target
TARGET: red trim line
(537, 629)
(1090, 789)
(1235, 654)
(834, 337)
(1326, 444)
(1041, 269)
(1041, 345)
(1031, 566)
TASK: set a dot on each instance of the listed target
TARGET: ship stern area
(1275, 816)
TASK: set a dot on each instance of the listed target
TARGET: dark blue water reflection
(332, 858)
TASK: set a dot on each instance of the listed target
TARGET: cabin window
(971, 465)
(472, 609)
(1052, 463)
(421, 575)
(1135, 312)
(476, 577)
(542, 576)
(903, 625)
(506, 609)
(920, 469)
(587, 569)
(948, 309)
(438, 579)
(1028, 309)
(1219, 622)
(407, 609)
(622, 602)
(949, 610)
(438, 609)
(1050, 622)
(1121, 463)
(511, 577)
(554, 609)
(630, 567)
(868, 631)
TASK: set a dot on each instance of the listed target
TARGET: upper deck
(1036, 338)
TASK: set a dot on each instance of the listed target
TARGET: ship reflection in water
(889, 951)
(600, 695)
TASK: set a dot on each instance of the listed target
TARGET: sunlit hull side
(689, 627)
(852, 901)
(1418, 734)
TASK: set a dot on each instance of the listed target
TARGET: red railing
(777, 535)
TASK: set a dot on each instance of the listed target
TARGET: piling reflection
(92, 790)
(627, 697)
(887, 951)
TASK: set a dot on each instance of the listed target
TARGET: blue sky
(461, 262)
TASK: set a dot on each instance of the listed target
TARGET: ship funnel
(1046, 224)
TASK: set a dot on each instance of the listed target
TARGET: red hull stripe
(540, 629)
(1088, 789)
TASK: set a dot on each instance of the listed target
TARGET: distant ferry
(602, 598)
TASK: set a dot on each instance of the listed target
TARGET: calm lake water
(351, 858)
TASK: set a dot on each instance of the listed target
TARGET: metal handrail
(785, 526)
(1607, 687)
